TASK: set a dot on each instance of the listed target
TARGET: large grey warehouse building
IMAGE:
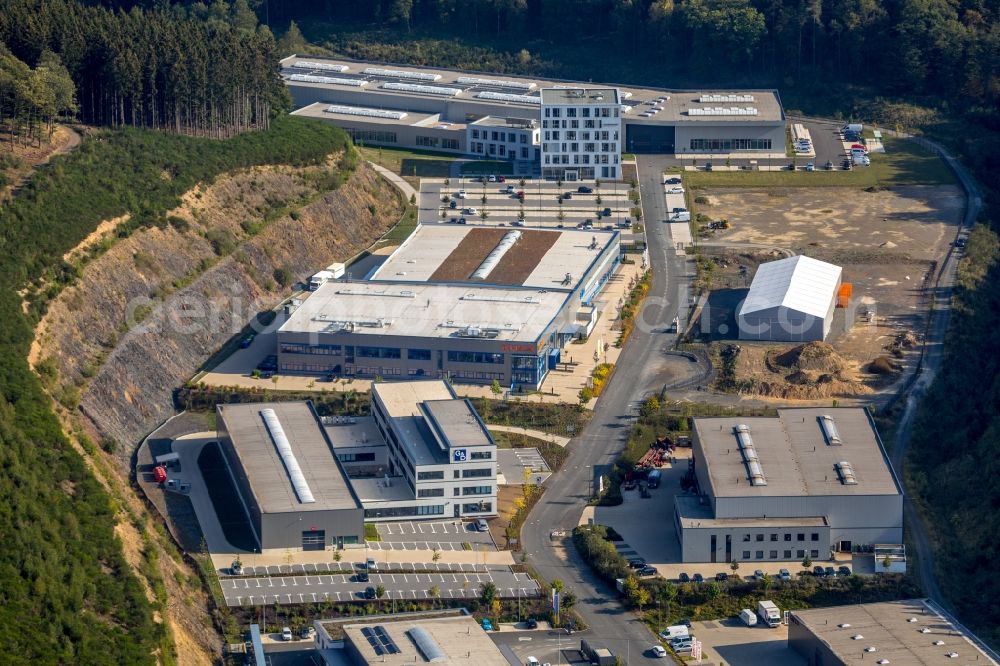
(292, 486)
(806, 483)
(443, 110)
(473, 304)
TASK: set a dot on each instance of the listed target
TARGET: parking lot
(445, 535)
(344, 586)
(731, 642)
(540, 206)
(513, 463)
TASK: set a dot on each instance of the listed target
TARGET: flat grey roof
(573, 96)
(887, 627)
(269, 480)
(456, 423)
(402, 403)
(361, 433)
(693, 514)
(794, 455)
(460, 640)
(675, 105)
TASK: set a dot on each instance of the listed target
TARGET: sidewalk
(537, 434)
(396, 180)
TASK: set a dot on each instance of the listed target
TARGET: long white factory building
(503, 117)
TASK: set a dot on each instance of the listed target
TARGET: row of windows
(786, 555)
(356, 457)
(483, 472)
(430, 492)
(364, 371)
(730, 144)
(312, 368)
(585, 112)
(428, 141)
(475, 357)
(418, 354)
(481, 455)
(318, 350)
(477, 375)
(477, 490)
(479, 148)
(378, 352)
(509, 137)
(478, 507)
(585, 136)
(379, 136)
(450, 144)
(581, 159)
(405, 511)
(573, 124)
(788, 537)
(430, 476)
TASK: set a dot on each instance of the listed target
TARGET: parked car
(684, 578)
(846, 165)
(588, 224)
(491, 178)
(481, 525)
(675, 190)
(659, 651)
(531, 623)
(698, 578)
(267, 374)
(606, 212)
(371, 565)
(487, 624)
(501, 179)
(828, 166)
(758, 574)
(509, 189)
(361, 577)
(708, 166)
(369, 592)
(830, 572)
(568, 195)
(460, 194)
(674, 180)
(636, 563)
(461, 220)
(269, 363)
(517, 223)
(307, 632)
(844, 571)
(648, 571)
(583, 189)
(810, 166)
(819, 571)
(286, 634)
(453, 204)
(471, 210)
(961, 242)
(246, 342)
(722, 577)
(784, 575)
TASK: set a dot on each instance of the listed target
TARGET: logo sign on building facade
(459, 455)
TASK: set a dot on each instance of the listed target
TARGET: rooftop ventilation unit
(287, 456)
(507, 97)
(370, 113)
(499, 83)
(428, 647)
(493, 258)
(725, 97)
(749, 453)
(830, 430)
(846, 473)
(325, 66)
(723, 111)
(312, 78)
(425, 90)
(400, 74)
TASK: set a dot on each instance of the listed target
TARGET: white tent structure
(790, 300)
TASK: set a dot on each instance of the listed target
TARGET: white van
(674, 632)
(748, 616)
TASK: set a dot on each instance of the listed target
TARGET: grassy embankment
(70, 596)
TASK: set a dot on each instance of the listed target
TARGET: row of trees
(30, 99)
(208, 73)
(948, 48)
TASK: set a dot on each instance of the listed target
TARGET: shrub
(283, 276)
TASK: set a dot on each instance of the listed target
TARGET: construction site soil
(148, 312)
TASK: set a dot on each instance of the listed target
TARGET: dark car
(246, 342)
(684, 578)
(708, 166)
(698, 578)
(568, 195)
(629, 485)
(452, 204)
(361, 577)
(846, 165)
(828, 166)
(819, 571)
(269, 363)
(369, 593)
(831, 572)
(844, 571)
(501, 179)
(648, 571)
(961, 242)
(583, 189)
(606, 212)
(531, 623)
(267, 374)
(672, 181)
(636, 563)
(461, 220)
(722, 577)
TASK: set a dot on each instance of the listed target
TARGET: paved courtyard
(443, 535)
(732, 643)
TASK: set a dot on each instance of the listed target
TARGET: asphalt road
(602, 439)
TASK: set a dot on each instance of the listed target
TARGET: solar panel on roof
(505, 97)
(417, 88)
(385, 640)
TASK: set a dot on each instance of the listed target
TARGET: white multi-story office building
(514, 139)
(581, 133)
(423, 453)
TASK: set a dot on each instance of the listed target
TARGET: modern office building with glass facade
(472, 304)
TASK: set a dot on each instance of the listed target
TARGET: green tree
(650, 406)
(292, 41)
(734, 565)
(806, 562)
(487, 593)
(242, 17)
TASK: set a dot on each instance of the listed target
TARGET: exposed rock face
(134, 370)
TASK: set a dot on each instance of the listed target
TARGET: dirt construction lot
(888, 242)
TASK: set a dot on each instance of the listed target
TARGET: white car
(659, 651)
(532, 661)
(481, 526)
(460, 194)
(675, 190)
(286, 634)
(470, 210)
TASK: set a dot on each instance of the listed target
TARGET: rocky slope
(149, 311)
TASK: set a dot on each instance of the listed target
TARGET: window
(430, 476)
(378, 136)
(788, 554)
(760, 537)
(478, 507)
(800, 537)
(760, 555)
(456, 474)
(474, 357)
(356, 457)
(773, 555)
(430, 492)
(405, 511)
(456, 493)
(800, 554)
(475, 134)
(477, 490)
(484, 472)
(481, 455)
(746, 537)
(814, 536)
(378, 352)
(746, 554)
(314, 540)
(814, 554)
(418, 354)
(450, 144)
(774, 537)
(730, 144)
(429, 141)
(317, 350)
(788, 536)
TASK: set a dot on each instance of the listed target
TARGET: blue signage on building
(459, 455)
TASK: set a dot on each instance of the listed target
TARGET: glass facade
(528, 369)
(730, 144)
(475, 357)
(405, 511)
